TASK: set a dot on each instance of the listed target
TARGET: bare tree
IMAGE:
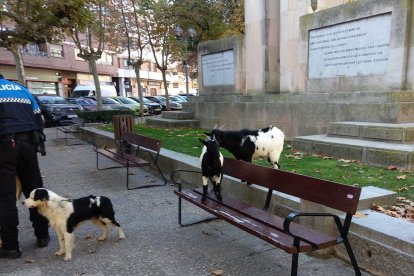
(90, 41)
(35, 21)
(132, 23)
(159, 25)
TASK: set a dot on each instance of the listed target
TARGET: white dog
(65, 214)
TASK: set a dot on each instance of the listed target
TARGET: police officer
(20, 119)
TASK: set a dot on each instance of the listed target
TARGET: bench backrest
(142, 141)
(122, 123)
(334, 195)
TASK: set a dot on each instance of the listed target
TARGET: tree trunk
(164, 80)
(141, 98)
(94, 71)
(19, 65)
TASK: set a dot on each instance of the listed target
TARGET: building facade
(57, 69)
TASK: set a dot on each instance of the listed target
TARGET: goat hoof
(203, 199)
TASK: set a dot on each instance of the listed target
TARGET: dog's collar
(68, 200)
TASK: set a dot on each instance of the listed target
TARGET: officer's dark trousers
(18, 157)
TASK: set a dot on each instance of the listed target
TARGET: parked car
(90, 90)
(178, 99)
(132, 104)
(111, 103)
(56, 110)
(153, 108)
(163, 102)
(87, 104)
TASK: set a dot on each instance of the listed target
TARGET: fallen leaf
(401, 177)
(217, 272)
(360, 215)
(344, 161)
(392, 168)
(30, 261)
(91, 251)
(88, 236)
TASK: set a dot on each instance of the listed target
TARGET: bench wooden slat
(146, 142)
(117, 158)
(317, 239)
(262, 231)
(138, 162)
(338, 196)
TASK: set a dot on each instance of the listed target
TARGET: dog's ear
(41, 194)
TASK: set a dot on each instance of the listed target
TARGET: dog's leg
(121, 234)
(104, 228)
(61, 243)
(68, 237)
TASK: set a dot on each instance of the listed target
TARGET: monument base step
(174, 119)
(401, 133)
(376, 153)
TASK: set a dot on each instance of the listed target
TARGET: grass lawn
(342, 171)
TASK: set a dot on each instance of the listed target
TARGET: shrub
(102, 116)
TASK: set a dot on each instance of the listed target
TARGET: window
(42, 87)
(105, 59)
(56, 50)
(76, 55)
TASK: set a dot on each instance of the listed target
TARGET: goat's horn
(215, 126)
(222, 126)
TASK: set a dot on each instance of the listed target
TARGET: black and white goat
(248, 145)
(211, 164)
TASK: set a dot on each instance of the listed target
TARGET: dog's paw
(60, 253)
(102, 238)
(67, 258)
(121, 236)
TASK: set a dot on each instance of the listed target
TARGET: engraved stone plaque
(218, 68)
(349, 49)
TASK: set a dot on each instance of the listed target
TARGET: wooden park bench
(70, 132)
(128, 155)
(282, 232)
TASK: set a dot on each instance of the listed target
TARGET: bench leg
(100, 169)
(191, 223)
(352, 257)
(143, 186)
(295, 260)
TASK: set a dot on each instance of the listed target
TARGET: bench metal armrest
(174, 174)
(293, 215)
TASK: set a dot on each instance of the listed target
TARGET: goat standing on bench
(211, 164)
(248, 145)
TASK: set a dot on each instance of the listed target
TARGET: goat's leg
(205, 188)
(217, 187)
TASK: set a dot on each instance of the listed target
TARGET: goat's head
(211, 144)
(216, 134)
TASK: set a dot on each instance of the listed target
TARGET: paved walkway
(155, 244)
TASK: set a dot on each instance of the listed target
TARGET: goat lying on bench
(281, 232)
(127, 155)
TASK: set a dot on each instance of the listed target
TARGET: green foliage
(342, 171)
(102, 116)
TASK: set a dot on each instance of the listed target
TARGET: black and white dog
(65, 214)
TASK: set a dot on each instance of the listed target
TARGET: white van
(90, 90)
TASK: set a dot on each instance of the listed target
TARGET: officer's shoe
(10, 254)
(43, 242)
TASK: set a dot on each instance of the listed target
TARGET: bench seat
(127, 155)
(283, 232)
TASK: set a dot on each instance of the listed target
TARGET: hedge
(102, 116)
